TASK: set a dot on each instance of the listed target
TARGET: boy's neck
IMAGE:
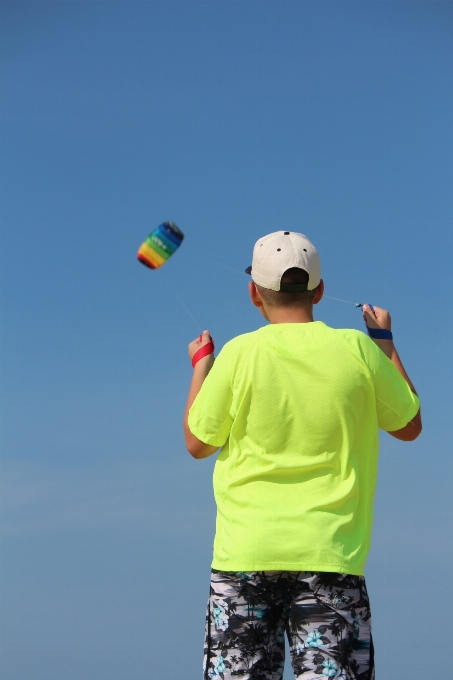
(289, 314)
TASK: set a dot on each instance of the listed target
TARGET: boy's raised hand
(201, 354)
(199, 341)
(196, 355)
(379, 318)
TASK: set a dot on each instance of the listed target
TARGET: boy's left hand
(377, 317)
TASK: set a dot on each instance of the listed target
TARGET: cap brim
(249, 270)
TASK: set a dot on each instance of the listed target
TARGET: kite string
(216, 262)
(186, 308)
(236, 271)
(340, 300)
(355, 304)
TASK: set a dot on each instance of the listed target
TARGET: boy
(295, 408)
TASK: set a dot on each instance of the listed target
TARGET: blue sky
(233, 119)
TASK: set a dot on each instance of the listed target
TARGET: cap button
(286, 233)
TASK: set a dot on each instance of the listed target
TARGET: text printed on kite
(160, 245)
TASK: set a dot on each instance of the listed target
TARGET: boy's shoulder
(351, 335)
(354, 337)
(243, 342)
(361, 345)
(234, 352)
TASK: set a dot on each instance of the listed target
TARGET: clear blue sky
(233, 119)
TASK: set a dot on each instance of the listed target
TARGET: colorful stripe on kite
(160, 245)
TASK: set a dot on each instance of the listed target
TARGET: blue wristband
(379, 333)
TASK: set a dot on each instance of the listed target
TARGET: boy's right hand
(198, 343)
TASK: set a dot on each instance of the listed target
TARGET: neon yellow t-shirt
(296, 409)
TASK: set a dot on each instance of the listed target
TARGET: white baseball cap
(275, 253)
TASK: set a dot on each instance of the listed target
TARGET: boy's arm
(195, 447)
(381, 319)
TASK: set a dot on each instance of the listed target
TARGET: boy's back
(296, 408)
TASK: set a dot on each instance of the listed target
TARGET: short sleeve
(209, 417)
(396, 404)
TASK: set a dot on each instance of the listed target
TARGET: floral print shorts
(326, 617)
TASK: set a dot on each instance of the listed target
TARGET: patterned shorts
(326, 617)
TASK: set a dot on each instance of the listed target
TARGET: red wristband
(203, 352)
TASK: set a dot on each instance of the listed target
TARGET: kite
(160, 245)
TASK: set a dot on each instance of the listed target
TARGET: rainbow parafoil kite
(160, 245)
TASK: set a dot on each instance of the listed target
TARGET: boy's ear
(255, 295)
(319, 293)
